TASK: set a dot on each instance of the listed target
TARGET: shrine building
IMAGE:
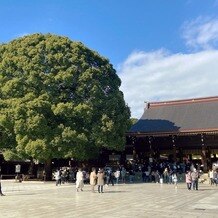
(181, 130)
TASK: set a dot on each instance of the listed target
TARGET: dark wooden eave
(159, 134)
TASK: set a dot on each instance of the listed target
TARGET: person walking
(194, 177)
(100, 181)
(92, 179)
(188, 179)
(79, 180)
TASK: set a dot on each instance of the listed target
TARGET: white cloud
(201, 33)
(159, 76)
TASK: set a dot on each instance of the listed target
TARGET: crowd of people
(156, 172)
(99, 178)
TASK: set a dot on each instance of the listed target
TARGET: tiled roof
(190, 115)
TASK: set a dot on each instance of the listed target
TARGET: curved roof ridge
(183, 101)
(188, 115)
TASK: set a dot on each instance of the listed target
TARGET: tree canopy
(58, 99)
(133, 121)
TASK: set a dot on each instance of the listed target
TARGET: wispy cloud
(201, 33)
(159, 75)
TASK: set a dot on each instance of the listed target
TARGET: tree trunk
(48, 171)
(31, 167)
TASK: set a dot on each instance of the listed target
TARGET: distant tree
(133, 121)
(58, 99)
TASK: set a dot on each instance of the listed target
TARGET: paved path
(38, 199)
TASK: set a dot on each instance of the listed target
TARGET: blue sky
(149, 42)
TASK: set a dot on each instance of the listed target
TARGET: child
(100, 181)
(188, 179)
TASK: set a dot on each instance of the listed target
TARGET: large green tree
(58, 99)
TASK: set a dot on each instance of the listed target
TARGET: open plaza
(44, 199)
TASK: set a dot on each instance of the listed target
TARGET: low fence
(20, 177)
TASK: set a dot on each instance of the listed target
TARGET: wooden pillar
(209, 161)
(174, 149)
(47, 170)
(134, 154)
(181, 156)
(157, 154)
(204, 159)
(203, 154)
(151, 156)
(133, 148)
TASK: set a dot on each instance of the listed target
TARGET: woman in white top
(117, 175)
(79, 180)
(58, 177)
(174, 179)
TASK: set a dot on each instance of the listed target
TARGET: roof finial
(147, 105)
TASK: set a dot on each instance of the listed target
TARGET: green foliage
(133, 121)
(58, 99)
(10, 154)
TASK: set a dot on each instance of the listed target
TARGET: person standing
(57, 176)
(211, 176)
(188, 179)
(194, 177)
(92, 179)
(100, 181)
(64, 176)
(1, 186)
(79, 180)
(174, 179)
(166, 176)
(216, 177)
(157, 176)
(117, 175)
(109, 177)
(131, 175)
(123, 174)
